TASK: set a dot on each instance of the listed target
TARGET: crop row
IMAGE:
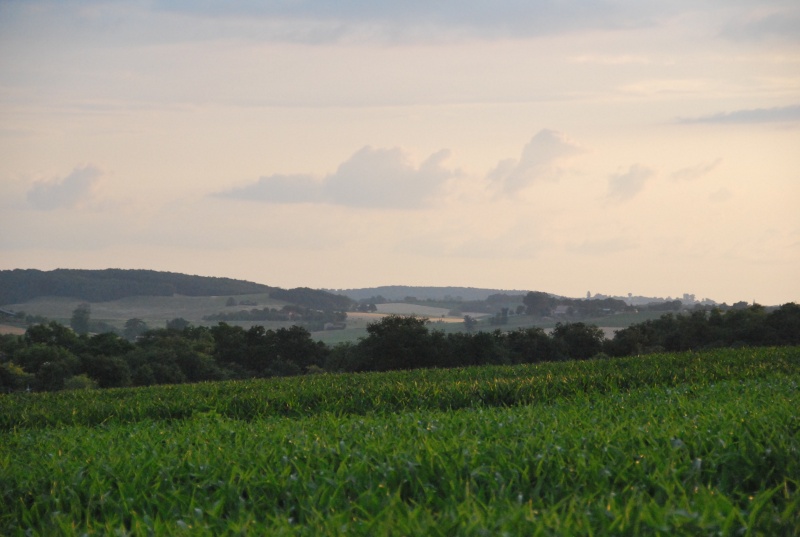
(722, 458)
(394, 391)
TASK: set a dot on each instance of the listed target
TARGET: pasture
(156, 311)
(672, 444)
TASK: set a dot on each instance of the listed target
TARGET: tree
(52, 376)
(13, 378)
(785, 322)
(470, 323)
(578, 340)
(529, 345)
(107, 344)
(538, 303)
(53, 334)
(397, 342)
(80, 319)
(79, 382)
(230, 343)
(34, 357)
(179, 323)
(134, 328)
(107, 371)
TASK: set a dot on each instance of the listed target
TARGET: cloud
(780, 24)
(624, 186)
(382, 178)
(695, 172)
(718, 196)
(385, 178)
(68, 192)
(278, 189)
(754, 115)
(538, 161)
(325, 21)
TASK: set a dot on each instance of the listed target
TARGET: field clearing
(357, 324)
(683, 444)
(370, 317)
(402, 308)
(9, 329)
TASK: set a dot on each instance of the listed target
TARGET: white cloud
(540, 160)
(68, 192)
(625, 185)
(380, 178)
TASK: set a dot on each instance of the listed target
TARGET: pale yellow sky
(604, 146)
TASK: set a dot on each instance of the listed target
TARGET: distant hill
(398, 293)
(22, 285)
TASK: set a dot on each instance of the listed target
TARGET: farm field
(157, 310)
(673, 444)
(154, 310)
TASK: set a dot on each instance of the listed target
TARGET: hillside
(23, 285)
(398, 293)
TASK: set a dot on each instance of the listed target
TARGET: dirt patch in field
(8, 329)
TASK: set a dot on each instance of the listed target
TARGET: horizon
(693, 298)
(610, 147)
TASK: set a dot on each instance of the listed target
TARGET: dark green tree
(538, 303)
(470, 323)
(80, 319)
(134, 328)
(179, 323)
(397, 342)
(107, 371)
(54, 334)
(578, 341)
(529, 345)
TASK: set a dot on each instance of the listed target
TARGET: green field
(157, 310)
(672, 444)
(154, 310)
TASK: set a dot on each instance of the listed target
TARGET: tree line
(54, 357)
(314, 319)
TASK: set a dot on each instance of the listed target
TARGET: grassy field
(675, 444)
(154, 310)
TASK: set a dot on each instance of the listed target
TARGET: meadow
(669, 444)
(157, 310)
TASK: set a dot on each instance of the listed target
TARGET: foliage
(751, 326)
(313, 299)
(13, 378)
(194, 354)
(542, 304)
(399, 391)
(80, 319)
(286, 313)
(134, 328)
(102, 285)
(680, 444)
(578, 340)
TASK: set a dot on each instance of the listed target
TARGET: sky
(573, 146)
